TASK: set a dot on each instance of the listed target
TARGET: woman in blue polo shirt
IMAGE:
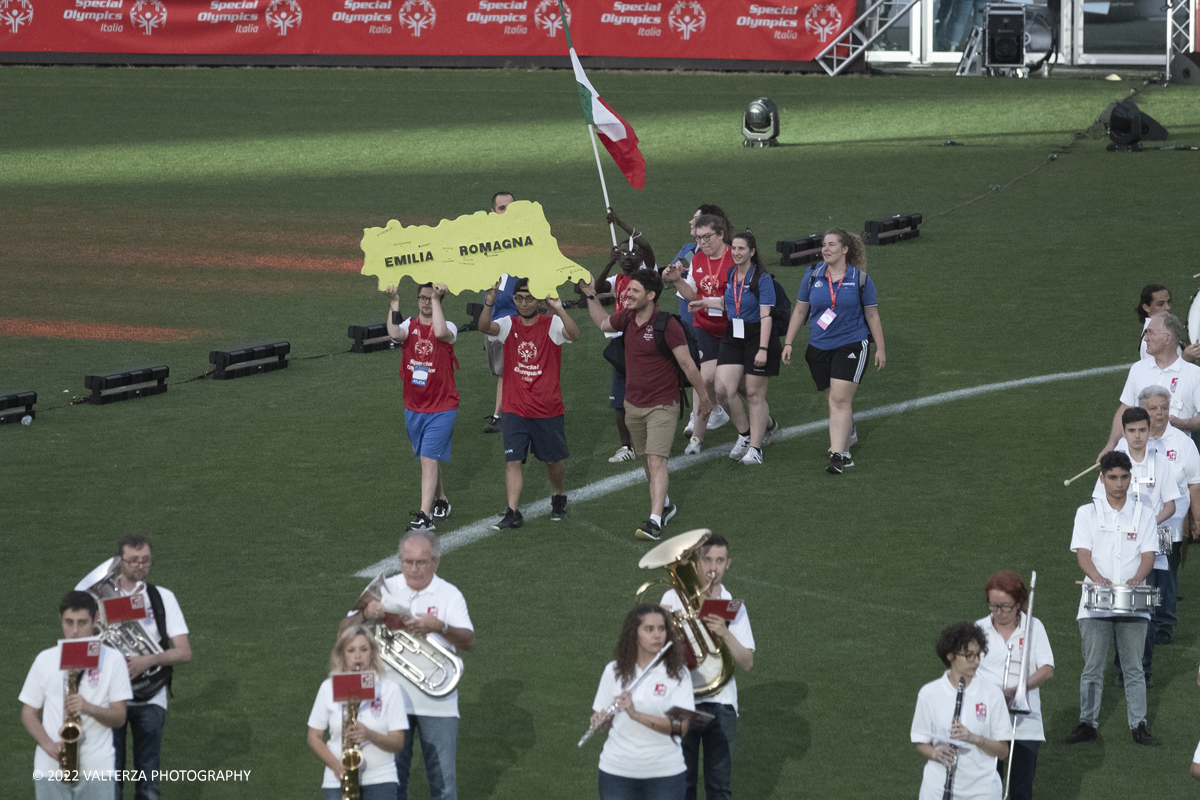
(749, 349)
(838, 300)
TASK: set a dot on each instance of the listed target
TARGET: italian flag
(615, 133)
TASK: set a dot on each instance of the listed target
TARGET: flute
(948, 791)
(611, 711)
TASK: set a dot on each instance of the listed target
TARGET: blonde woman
(379, 731)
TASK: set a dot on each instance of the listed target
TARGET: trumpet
(611, 711)
(432, 668)
(71, 732)
(351, 754)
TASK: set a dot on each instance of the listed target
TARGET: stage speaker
(1005, 35)
(1185, 69)
(1128, 126)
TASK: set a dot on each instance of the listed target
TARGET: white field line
(482, 528)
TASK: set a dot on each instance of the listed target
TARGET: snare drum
(1164, 540)
(1121, 600)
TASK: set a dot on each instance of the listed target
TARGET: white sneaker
(691, 426)
(717, 418)
(740, 447)
(853, 436)
(624, 454)
(693, 447)
(753, 456)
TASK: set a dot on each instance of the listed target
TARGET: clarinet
(948, 791)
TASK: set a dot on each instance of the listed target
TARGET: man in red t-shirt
(651, 385)
(532, 407)
(707, 278)
(430, 394)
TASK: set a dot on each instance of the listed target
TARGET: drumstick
(1197, 275)
(1068, 481)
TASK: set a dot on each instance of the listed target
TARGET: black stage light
(800, 250)
(249, 360)
(760, 123)
(1129, 126)
(891, 230)
(17, 407)
(369, 338)
(1005, 35)
(127, 384)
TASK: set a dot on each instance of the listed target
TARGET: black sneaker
(493, 425)
(1162, 638)
(669, 512)
(1086, 733)
(558, 507)
(441, 509)
(836, 464)
(649, 530)
(847, 460)
(770, 432)
(1144, 737)
(511, 519)
(420, 522)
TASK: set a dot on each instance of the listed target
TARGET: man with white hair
(1164, 367)
(1180, 451)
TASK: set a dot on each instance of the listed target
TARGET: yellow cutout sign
(470, 253)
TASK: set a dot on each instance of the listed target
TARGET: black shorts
(617, 398)
(709, 345)
(547, 438)
(743, 351)
(847, 363)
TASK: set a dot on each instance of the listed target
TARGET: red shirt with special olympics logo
(532, 361)
(650, 379)
(709, 277)
(620, 285)
(422, 350)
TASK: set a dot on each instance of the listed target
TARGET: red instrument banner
(676, 29)
(79, 653)
(122, 609)
(353, 684)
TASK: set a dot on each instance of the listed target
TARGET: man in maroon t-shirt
(531, 407)
(651, 385)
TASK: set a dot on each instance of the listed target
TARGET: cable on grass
(1091, 132)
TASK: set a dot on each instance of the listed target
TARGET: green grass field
(226, 205)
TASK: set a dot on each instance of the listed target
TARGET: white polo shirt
(1180, 378)
(439, 599)
(1116, 541)
(1181, 452)
(384, 714)
(102, 686)
(984, 713)
(991, 667)
(632, 750)
(1153, 483)
(739, 627)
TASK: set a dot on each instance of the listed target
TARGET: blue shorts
(430, 433)
(547, 438)
(709, 345)
(617, 398)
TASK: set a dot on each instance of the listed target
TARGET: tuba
(351, 754)
(71, 732)
(432, 668)
(714, 665)
(129, 636)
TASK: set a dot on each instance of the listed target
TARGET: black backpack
(781, 312)
(661, 321)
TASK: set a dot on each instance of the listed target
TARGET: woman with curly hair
(837, 298)
(643, 756)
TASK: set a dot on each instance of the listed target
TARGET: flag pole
(562, 15)
(603, 186)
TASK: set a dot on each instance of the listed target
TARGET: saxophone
(71, 731)
(351, 754)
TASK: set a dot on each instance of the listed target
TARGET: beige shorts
(652, 429)
(495, 356)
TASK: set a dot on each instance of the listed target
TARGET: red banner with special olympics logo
(675, 29)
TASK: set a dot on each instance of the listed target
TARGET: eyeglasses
(703, 239)
(1001, 606)
(419, 563)
(137, 562)
(969, 655)
(423, 298)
